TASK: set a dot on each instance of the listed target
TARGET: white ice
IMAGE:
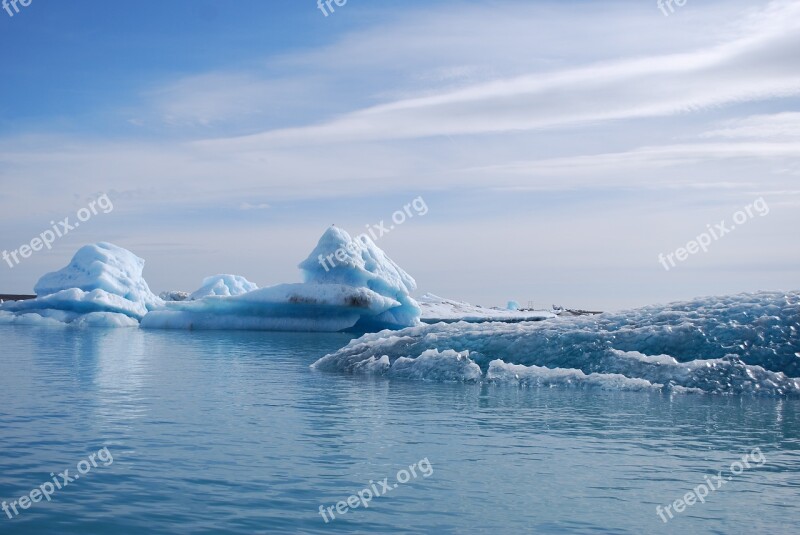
(355, 287)
(224, 285)
(746, 343)
(101, 286)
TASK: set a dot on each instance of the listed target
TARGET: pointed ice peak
(340, 259)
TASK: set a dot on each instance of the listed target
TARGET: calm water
(232, 433)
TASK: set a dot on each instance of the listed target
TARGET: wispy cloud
(777, 126)
(750, 68)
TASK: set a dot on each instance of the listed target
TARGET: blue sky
(560, 146)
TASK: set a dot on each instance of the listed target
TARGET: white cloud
(507, 100)
(751, 67)
(784, 125)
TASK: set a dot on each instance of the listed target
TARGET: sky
(574, 153)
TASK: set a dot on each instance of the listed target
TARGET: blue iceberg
(748, 343)
(363, 290)
(356, 288)
(223, 285)
(101, 286)
(358, 262)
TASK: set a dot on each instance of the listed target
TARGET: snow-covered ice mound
(436, 309)
(358, 262)
(361, 290)
(224, 285)
(748, 343)
(101, 286)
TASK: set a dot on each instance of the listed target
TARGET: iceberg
(101, 286)
(285, 307)
(747, 343)
(356, 288)
(349, 285)
(224, 285)
(358, 262)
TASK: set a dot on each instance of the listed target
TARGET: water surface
(231, 432)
